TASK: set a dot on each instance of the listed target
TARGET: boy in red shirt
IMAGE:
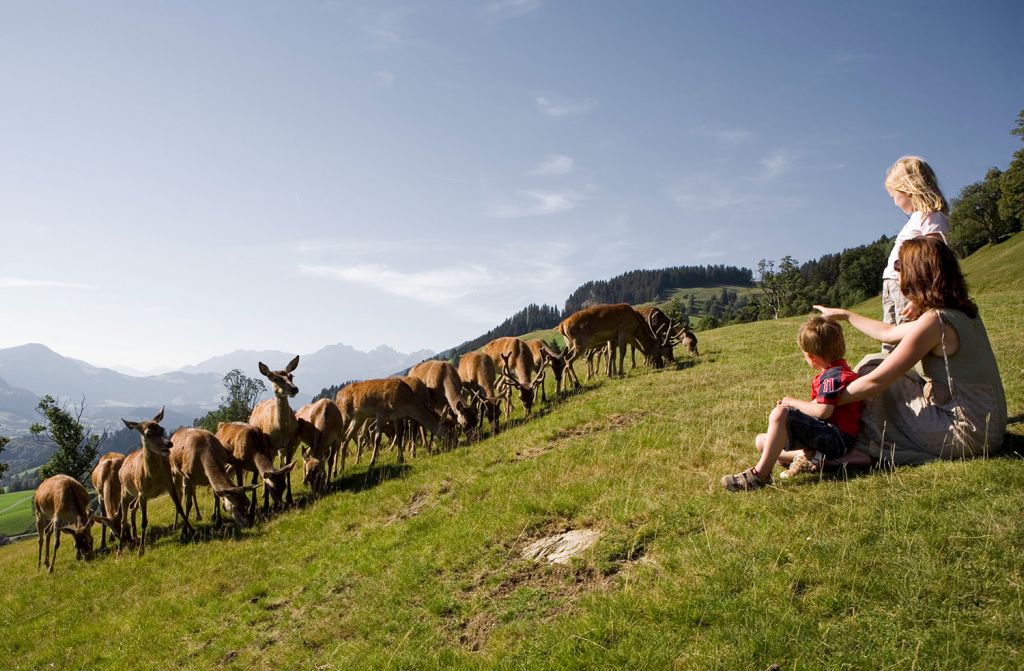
(810, 431)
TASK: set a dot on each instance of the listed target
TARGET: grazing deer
(146, 474)
(478, 374)
(387, 400)
(249, 450)
(275, 418)
(618, 324)
(61, 504)
(199, 459)
(513, 359)
(413, 432)
(541, 354)
(107, 483)
(664, 328)
(445, 386)
(321, 428)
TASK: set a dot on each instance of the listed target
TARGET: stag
(618, 324)
(543, 354)
(445, 386)
(478, 375)
(512, 357)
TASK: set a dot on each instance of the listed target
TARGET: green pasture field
(421, 567)
(16, 515)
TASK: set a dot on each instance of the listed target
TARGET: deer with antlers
(618, 324)
(146, 473)
(275, 418)
(199, 459)
(249, 450)
(664, 328)
(61, 505)
(444, 384)
(478, 375)
(543, 354)
(517, 369)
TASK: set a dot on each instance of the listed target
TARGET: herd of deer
(434, 400)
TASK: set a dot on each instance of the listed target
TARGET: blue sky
(183, 179)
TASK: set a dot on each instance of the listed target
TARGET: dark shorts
(809, 433)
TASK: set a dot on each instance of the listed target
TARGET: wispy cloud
(703, 194)
(441, 286)
(553, 165)
(559, 108)
(384, 78)
(385, 38)
(513, 8)
(22, 283)
(537, 203)
(775, 164)
(728, 136)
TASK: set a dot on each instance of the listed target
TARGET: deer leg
(56, 544)
(145, 524)
(41, 530)
(186, 529)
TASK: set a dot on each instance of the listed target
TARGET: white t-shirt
(918, 225)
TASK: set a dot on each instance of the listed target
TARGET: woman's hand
(835, 314)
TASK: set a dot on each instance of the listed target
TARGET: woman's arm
(923, 336)
(872, 328)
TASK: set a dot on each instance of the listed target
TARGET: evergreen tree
(76, 445)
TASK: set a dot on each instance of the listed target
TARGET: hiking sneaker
(804, 464)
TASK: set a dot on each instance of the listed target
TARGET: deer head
(236, 503)
(281, 379)
(154, 438)
(82, 533)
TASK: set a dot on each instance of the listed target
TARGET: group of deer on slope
(434, 399)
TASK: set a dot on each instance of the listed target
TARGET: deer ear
(287, 468)
(292, 365)
(264, 369)
(130, 425)
(159, 417)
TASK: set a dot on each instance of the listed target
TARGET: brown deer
(199, 459)
(542, 353)
(146, 474)
(478, 374)
(61, 505)
(516, 367)
(664, 328)
(321, 428)
(275, 418)
(107, 483)
(249, 450)
(618, 324)
(445, 386)
(387, 400)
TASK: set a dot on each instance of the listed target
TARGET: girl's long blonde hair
(912, 176)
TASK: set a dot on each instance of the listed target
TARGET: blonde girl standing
(913, 187)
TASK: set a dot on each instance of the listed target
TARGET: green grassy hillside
(16, 513)
(422, 569)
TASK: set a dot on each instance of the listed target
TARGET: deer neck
(262, 463)
(214, 470)
(285, 414)
(154, 463)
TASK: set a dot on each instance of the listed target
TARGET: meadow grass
(420, 567)
(16, 515)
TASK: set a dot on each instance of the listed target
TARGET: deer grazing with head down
(445, 386)
(321, 428)
(618, 324)
(275, 418)
(199, 459)
(516, 369)
(478, 374)
(107, 483)
(146, 474)
(61, 505)
(374, 403)
(543, 354)
(249, 450)
(665, 329)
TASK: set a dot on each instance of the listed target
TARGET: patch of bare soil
(419, 501)
(614, 422)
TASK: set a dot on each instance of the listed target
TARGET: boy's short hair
(822, 337)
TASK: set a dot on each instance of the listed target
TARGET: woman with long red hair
(952, 406)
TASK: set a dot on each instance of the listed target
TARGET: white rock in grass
(561, 548)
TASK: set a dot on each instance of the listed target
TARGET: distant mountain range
(28, 372)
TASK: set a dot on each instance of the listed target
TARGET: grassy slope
(920, 567)
(16, 513)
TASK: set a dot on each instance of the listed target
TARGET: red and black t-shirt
(825, 389)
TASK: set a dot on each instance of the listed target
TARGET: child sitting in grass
(807, 432)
